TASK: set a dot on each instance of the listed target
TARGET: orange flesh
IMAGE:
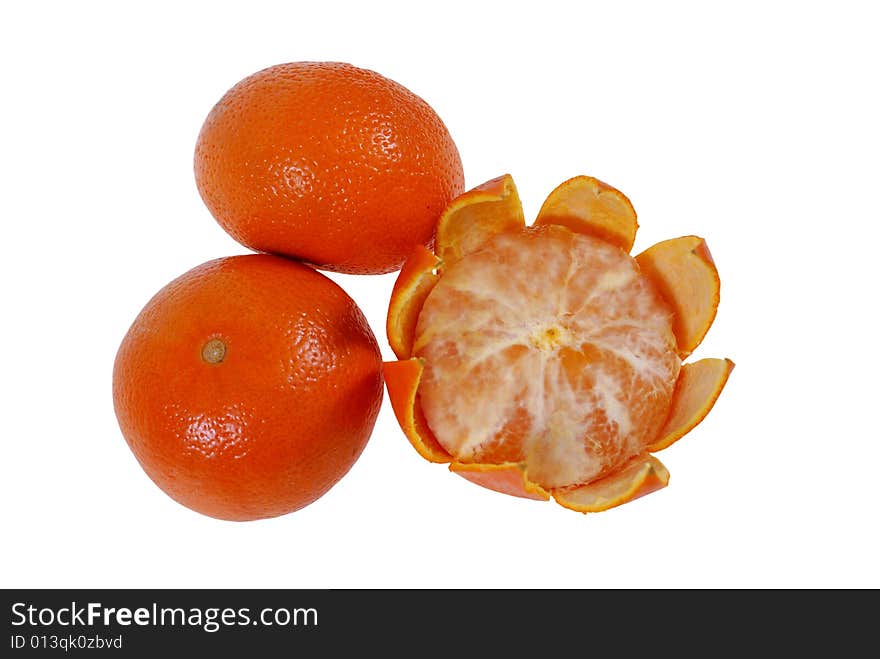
(548, 349)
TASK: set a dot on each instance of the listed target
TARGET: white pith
(496, 329)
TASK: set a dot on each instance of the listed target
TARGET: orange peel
(402, 381)
(684, 272)
(641, 476)
(587, 205)
(561, 395)
(477, 215)
(698, 387)
(417, 278)
(504, 478)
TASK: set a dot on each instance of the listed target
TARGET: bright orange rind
(684, 272)
(504, 478)
(477, 215)
(505, 317)
(641, 476)
(698, 387)
(416, 279)
(402, 381)
(587, 205)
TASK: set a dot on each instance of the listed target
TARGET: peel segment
(685, 274)
(475, 216)
(643, 475)
(698, 387)
(506, 479)
(587, 205)
(415, 281)
(402, 381)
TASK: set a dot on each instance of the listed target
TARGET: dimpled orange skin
(248, 387)
(327, 163)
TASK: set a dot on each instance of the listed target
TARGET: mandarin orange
(328, 163)
(248, 387)
(544, 360)
(584, 343)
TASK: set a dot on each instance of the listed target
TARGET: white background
(755, 126)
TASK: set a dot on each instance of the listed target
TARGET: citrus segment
(698, 387)
(548, 348)
(402, 381)
(587, 205)
(643, 475)
(477, 215)
(684, 272)
(507, 479)
(417, 278)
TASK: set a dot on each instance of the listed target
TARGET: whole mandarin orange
(328, 163)
(248, 387)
